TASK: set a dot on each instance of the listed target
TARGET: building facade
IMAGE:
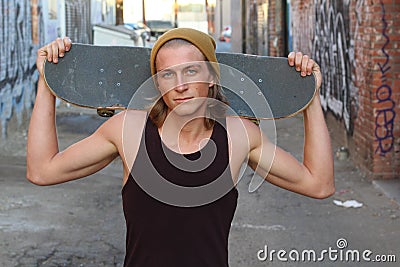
(26, 25)
(356, 44)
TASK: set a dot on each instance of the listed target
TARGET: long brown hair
(215, 109)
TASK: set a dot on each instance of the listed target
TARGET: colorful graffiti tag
(19, 41)
(385, 112)
(333, 49)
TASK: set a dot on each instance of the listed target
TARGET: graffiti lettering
(333, 49)
(385, 113)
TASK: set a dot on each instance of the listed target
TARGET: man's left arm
(314, 176)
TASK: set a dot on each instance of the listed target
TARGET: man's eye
(167, 75)
(191, 72)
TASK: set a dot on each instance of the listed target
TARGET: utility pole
(176, 14)
(143, 12)
(210, 8)
(221, 25)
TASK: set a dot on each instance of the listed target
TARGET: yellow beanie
(204, 42)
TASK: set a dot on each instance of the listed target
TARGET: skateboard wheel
(103, 112)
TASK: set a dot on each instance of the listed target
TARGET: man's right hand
(52, 52)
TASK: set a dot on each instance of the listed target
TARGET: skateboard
(111, 78)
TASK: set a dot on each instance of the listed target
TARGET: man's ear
(211, 82)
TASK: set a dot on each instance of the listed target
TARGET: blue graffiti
(385, 113)
(17, 57)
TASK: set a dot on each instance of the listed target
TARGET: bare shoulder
(133, 121)
(241, 130)
(239, 121)
(237, 125)
(117, 125)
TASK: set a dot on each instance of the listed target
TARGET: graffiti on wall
(333, 49)
(19, 39)
(385, 111)
(77, 19)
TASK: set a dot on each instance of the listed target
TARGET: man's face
(183, 79)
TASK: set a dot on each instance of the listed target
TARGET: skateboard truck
(105, 112)
(109, 111)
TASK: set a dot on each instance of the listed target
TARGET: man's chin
(188, 109)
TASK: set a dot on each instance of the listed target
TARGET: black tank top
(179, 227)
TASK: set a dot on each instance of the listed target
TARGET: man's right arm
(46, 165)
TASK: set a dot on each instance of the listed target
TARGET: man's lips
(182, 99)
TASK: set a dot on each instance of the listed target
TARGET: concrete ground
(81, 223)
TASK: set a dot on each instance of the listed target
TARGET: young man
(182, 158)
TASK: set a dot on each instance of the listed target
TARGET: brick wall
(276, 28)
(265, 31)
(357, 45)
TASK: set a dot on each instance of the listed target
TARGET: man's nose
(181, 84)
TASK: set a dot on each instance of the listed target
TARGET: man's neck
(185, 135)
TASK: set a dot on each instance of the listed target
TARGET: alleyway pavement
(81, 223)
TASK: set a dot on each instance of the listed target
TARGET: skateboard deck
(109, 78)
